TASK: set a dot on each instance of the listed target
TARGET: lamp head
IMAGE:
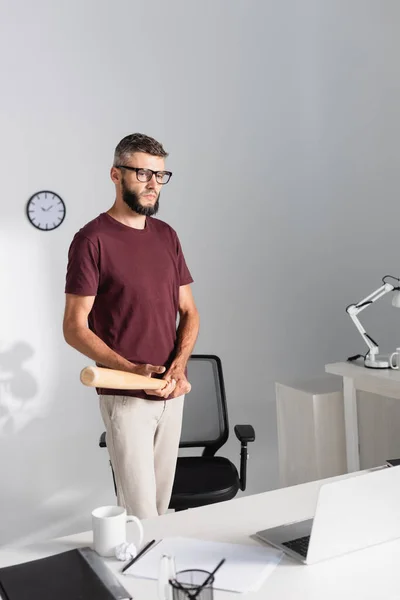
(396, 297)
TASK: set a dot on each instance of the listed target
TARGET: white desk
(366, 575)
(385, 382)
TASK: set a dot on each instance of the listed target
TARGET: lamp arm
(372, 345)
(357, 308)
(354, 309)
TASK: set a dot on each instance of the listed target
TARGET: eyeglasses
(145, 175)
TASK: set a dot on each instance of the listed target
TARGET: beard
(132, 199)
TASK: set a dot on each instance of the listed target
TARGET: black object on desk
(135, 558)
(78, 574)
(190, 585)
(185, 586)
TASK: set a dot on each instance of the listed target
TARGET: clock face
(45, 210)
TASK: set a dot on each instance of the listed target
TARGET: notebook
(78, 574)
(245, 569)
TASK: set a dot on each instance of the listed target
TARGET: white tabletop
(365, 575)
(385, 382)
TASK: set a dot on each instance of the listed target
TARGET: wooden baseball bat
(119, 380)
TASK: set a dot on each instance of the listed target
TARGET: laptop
(350, 514)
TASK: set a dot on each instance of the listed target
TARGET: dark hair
(137, 142)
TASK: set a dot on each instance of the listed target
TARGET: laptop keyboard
(300, 545)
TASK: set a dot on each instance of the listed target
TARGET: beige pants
(143, 441)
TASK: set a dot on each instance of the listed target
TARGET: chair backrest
(205, 418)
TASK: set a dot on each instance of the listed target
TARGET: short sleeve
(184, 274)
(83, 267)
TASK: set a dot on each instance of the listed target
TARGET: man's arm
(188, 329)
(79, 336)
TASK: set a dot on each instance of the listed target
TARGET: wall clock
(45, 210)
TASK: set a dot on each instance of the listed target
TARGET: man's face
(141, 197)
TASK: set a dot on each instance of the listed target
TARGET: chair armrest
(245, 433)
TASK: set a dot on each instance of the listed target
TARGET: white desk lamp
(372, 359)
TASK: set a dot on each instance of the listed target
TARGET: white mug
(109, 529)
(394, 359)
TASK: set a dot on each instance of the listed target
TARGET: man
(127, 280)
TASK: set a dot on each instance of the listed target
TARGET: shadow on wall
(49, 482)
(18, 388)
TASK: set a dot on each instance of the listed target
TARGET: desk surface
(385, 382)
(366, 575)
(353, 369)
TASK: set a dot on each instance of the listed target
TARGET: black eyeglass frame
(136, 169)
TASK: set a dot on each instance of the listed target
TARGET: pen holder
(189, 585)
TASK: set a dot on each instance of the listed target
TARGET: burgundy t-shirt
(135, 275)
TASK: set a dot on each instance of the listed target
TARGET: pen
(211, 575)
(143, 550)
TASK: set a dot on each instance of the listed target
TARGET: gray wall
(281, 119)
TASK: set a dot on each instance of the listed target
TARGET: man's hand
(148, 370)
(182, 385)
(176, 384)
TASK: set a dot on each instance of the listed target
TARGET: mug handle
(131, 518)
(391, 362)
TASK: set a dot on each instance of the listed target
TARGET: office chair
(206, 479)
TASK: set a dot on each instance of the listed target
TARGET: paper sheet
(245, 569)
